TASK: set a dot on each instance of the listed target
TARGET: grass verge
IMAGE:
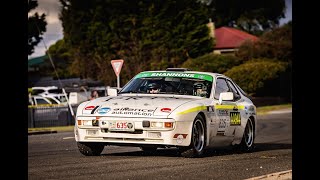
(265, 109)
(57, 128)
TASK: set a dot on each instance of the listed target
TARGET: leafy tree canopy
(145, 34)
(275, 44)
(36, 26)
(212, 63)
(253, 16)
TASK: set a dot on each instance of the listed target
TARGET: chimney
(211, 28)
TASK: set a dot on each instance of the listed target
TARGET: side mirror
(112, 92)
(225, 96)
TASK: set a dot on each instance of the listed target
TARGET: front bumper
(178, 135)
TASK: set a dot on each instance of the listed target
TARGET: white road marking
(68, 138)
(283, 175)
(281, 111)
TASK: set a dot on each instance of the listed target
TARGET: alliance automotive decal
(174, 74)
(134, 111)
(198, 108)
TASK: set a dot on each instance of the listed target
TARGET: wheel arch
(206, 142)
(254, 121)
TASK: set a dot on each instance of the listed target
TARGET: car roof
(45, 87)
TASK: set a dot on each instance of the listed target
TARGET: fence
(50, 116)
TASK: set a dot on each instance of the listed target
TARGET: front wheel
(148, 149)
(197, 146)
(90, 149)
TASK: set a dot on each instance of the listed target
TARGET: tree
(253, 16)
(36, 26)
(212, 63)
(275, 44)
(61, 57)
(143, 33)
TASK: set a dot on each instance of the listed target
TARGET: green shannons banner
(175, 74)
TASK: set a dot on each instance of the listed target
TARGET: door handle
(235, 108)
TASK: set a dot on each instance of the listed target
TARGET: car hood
(134, 106)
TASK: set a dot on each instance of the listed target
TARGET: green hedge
(212, 63)
(253, 74)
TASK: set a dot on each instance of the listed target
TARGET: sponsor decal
(103, 110)
(130, 125)
(223, 112)
(174, 74)
(222, 124)
(210, 109)
(235, 118)
(165, 110)
(89, 108)
(251, 108)
(133, 111)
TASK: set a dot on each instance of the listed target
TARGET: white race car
(189, 110)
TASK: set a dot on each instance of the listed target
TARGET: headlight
(161, 124)
(84, 122)
(156, 124)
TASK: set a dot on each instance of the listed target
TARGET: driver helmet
(153, 88)
(199, 89)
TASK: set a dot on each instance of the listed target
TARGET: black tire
(148, 149)
(247, 141)
(197, 145)
(90, 149)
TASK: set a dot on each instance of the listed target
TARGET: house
(228, 39)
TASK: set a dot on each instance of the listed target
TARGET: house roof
(227, 38)
(37, 60)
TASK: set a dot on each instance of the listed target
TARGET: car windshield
(170, 83)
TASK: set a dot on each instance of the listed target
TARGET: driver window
(221, 86)
(234, 90)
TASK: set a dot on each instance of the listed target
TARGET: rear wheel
(196, 148)
(247, 142)
(90, 149)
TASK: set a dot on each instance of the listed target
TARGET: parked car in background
(37, 100)
(189, 110)
(52, 92)
(46, 90)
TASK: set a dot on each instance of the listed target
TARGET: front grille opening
(105, 130)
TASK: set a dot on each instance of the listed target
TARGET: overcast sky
(54, 29)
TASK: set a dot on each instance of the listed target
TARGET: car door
(222, 110)
(237, 112)
(229, 112)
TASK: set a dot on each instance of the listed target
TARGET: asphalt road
(55, 156)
